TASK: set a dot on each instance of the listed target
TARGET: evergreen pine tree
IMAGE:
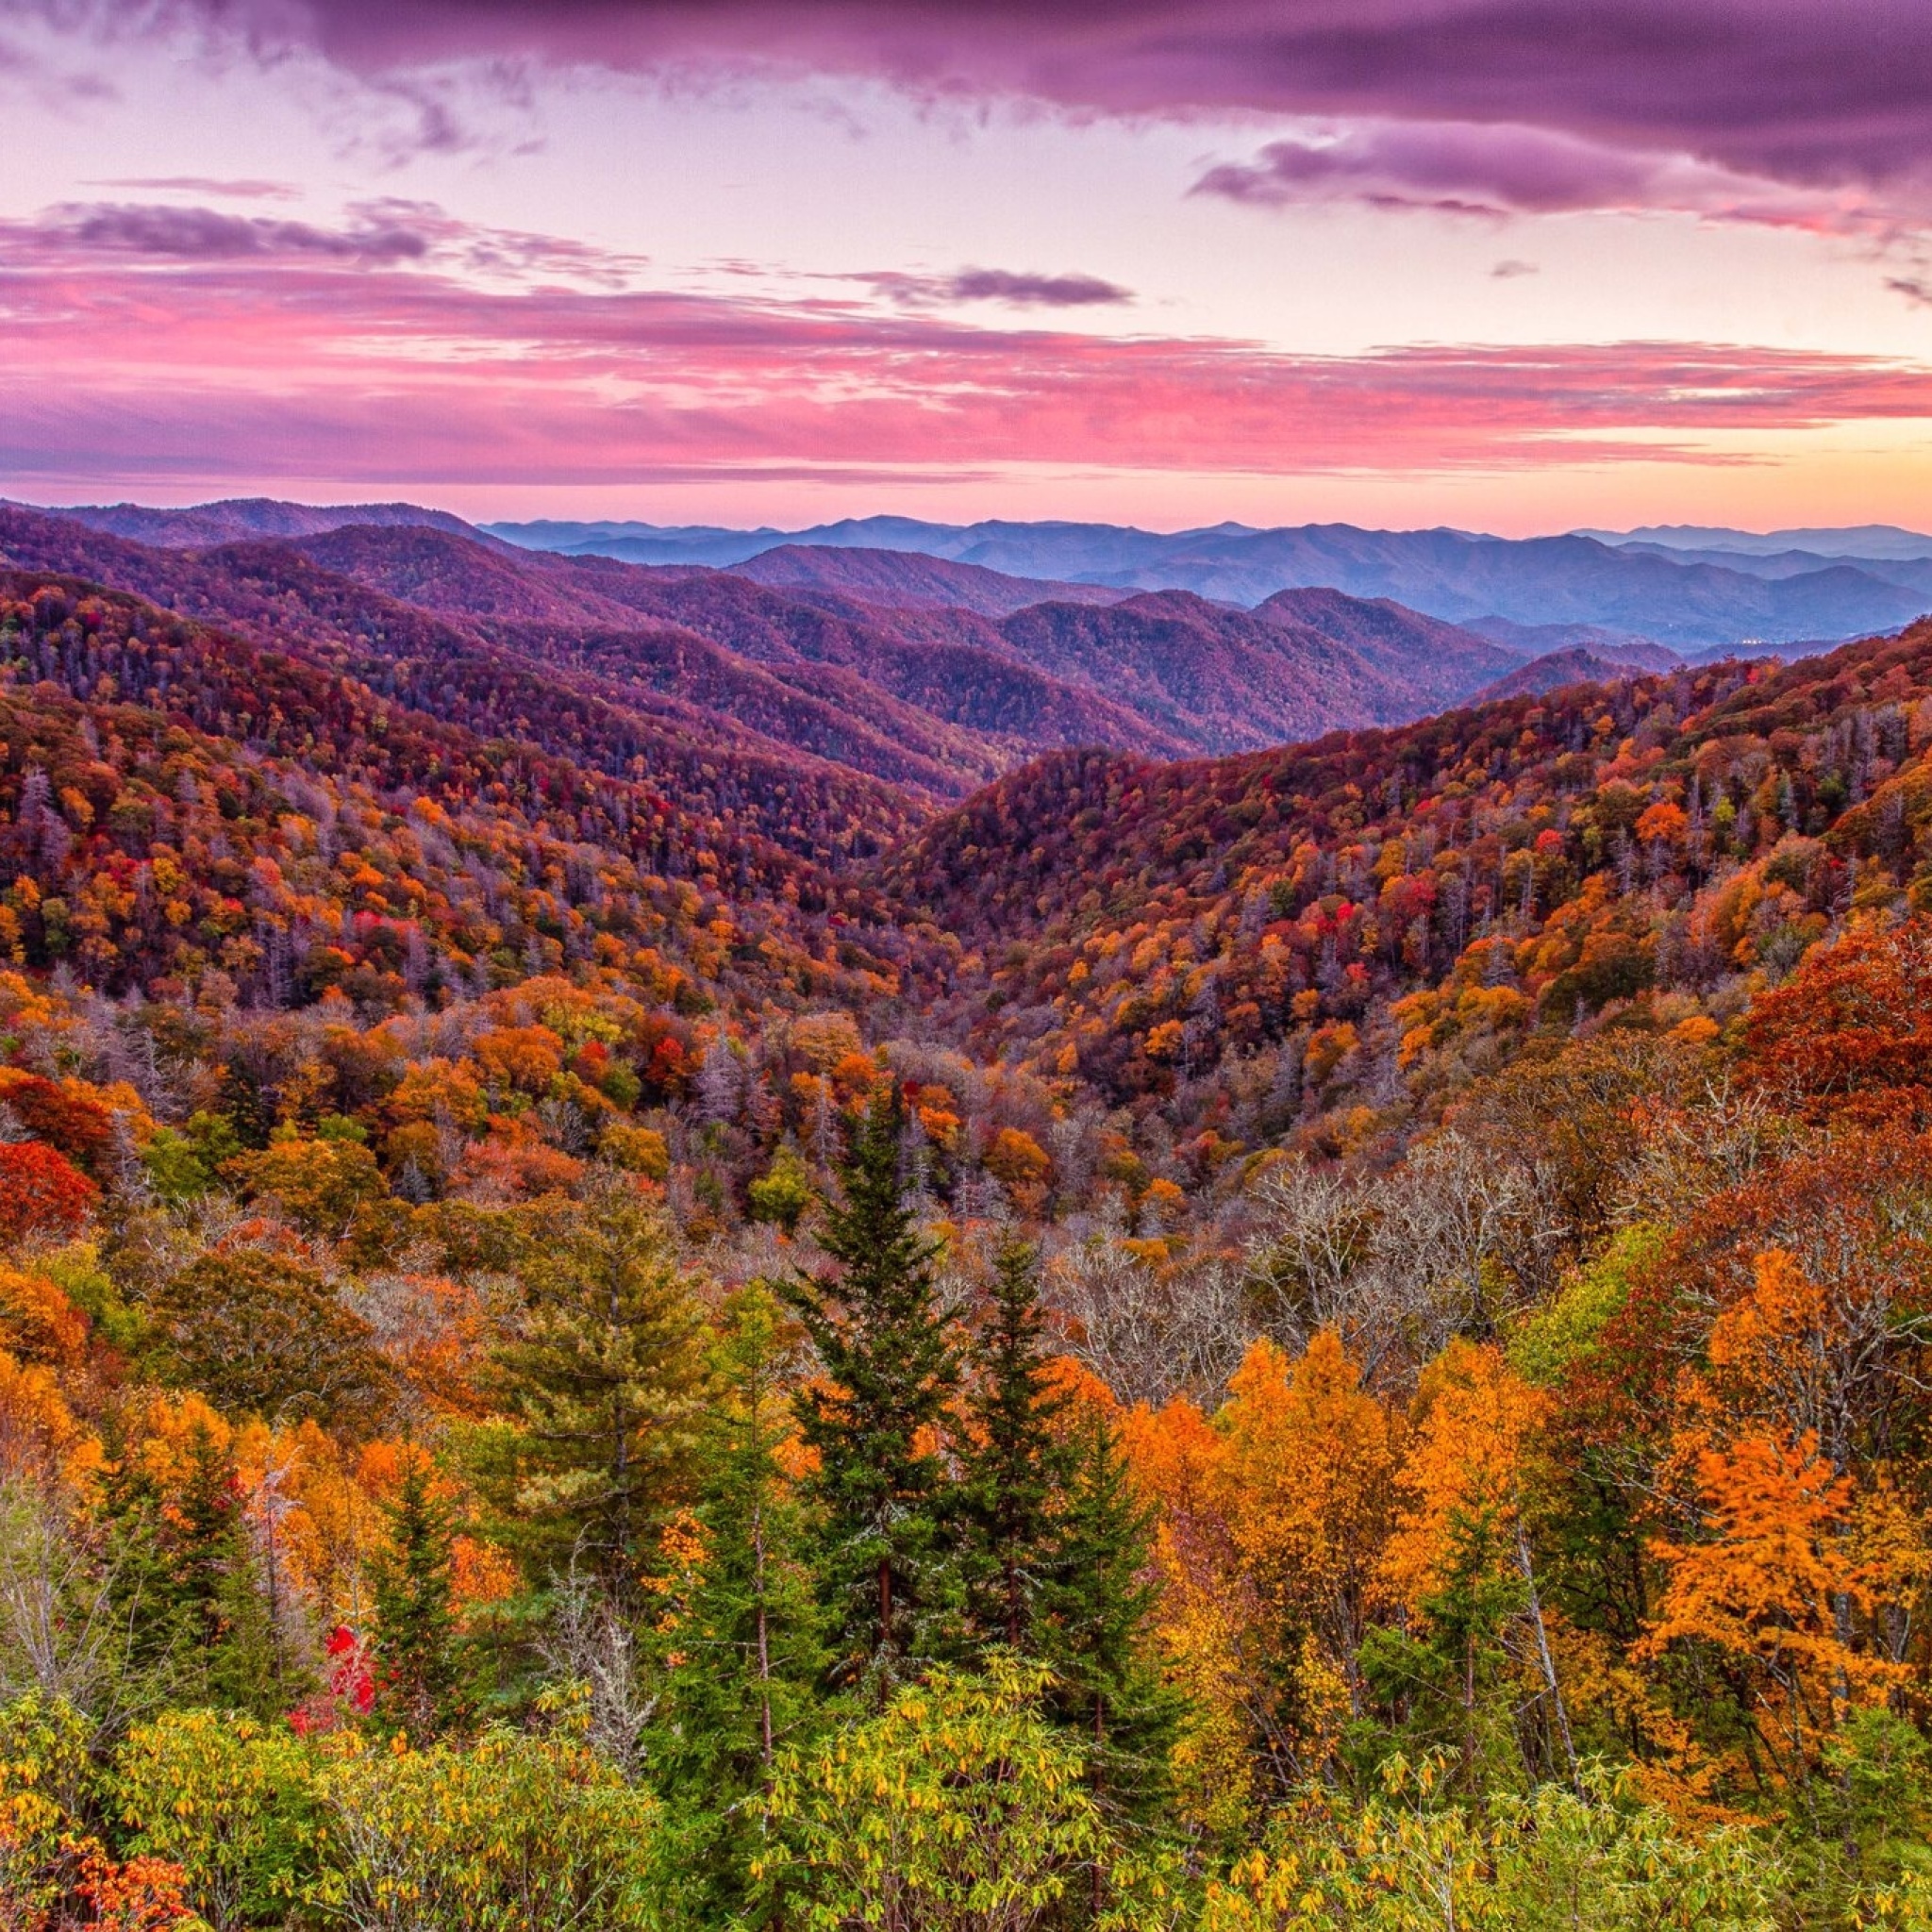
(606, 1378)
(1094, 1610)
(142, 1570)
(212, 1609)
(248, 1668)
(202, 1540)
(885, 1341)
(1014, 1463)
(749, 1644)
(418, 1674)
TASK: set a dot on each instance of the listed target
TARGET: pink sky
(1509, 264)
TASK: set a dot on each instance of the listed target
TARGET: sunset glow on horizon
(1512, 265)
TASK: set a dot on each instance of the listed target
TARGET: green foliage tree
(1094, 1610)
(184, 1576)
(748, 1649)
(606, 1378)
(784, 1191)
(885, 1341)
(45, 1774)
(1013, 1463)
(1404, 1861)
(958, 1808)
(418, 1674)
(233, 1803)
(258, 1331)
(142, 1569)
(1447, 1684)
(248, 1665)
(517, 1832)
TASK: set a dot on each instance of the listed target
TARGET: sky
(1513, 265)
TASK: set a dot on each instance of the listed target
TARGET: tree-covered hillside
(601, 1327)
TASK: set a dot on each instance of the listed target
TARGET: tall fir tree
(884, 1340)
(748, 1650)
(249, 1668)
(418, 1674)
(606, 1376)
(144, 1571)
(202, 1540)
(1015, 1464)
(1094, 1613)
(212, 1630)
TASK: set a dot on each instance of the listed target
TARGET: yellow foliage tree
(1305, 1482)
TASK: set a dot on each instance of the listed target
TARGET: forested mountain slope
(181, 799)
(935, 699)
(599, 1318)
(1142, 920)
(280, 596)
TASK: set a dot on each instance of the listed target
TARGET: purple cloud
(1489, 170)
(1822, 96)
(1047, 291)
(205, 234)
(383, 234)
(202, 184)
(1001, 285)
(314, 367)
(1463, 168)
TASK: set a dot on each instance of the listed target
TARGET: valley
(1290, 1076)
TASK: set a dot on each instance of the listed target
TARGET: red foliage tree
(40, 1192)
(1850, 1036)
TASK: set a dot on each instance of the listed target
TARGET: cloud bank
(1834, 98)
(156, 347)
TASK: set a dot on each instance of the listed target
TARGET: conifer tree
(1093, 1612)
(210, 1615)
(1015, 1464)
(890, 1364)
(414, 1599)
(203, 1538)
(248, 1667)
(607, 1381)
(748, 1645)
(143, 1574)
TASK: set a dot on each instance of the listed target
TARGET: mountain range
(1695, 589)
(1726, 590)
(877, 682)
(391, 756)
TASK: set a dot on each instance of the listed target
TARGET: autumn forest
(678, 1253)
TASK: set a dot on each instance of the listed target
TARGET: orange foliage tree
(1799, 1565)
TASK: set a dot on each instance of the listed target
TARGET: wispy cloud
(1017, 291)
(156, 230)
(387, 232)
(203, 184)
(1499, 170)
(316, 364)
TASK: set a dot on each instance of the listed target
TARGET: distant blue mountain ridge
(1695, 589)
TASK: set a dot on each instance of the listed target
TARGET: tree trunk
(1543, 1657)
(757, 1546)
